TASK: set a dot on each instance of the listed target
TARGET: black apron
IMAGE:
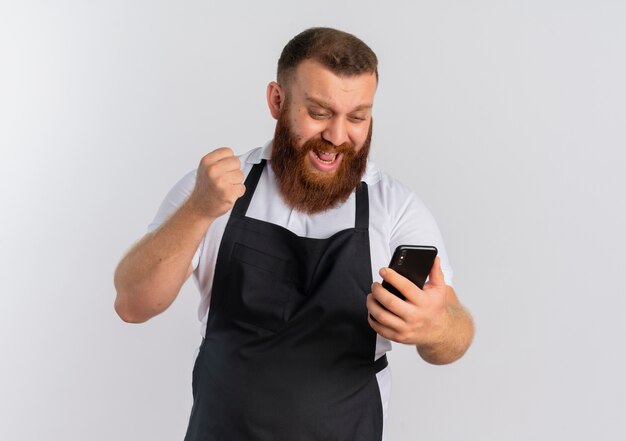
(288, 353)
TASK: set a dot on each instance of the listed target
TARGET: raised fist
(219, 183)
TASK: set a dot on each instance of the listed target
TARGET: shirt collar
(264, 152)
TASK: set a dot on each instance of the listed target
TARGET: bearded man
(285, 243)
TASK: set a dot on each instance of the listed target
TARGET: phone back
(413, 262)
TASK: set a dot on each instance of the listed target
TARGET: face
(322, 135)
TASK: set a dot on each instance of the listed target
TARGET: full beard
(302, 186)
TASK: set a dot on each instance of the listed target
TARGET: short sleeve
(174, 199)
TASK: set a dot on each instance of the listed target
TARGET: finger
(219, 160)
(234, 177)
(387, 300)
(210, 163)
(436, 278)
(382, 330)
(219, 171)
(408, 289)
(382, 315)
(240, 190)
(226, 164)
(220, 153)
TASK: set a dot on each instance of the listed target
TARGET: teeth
(326, 161)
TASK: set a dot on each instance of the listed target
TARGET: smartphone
(413, 262)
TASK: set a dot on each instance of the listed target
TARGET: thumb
(435, 278)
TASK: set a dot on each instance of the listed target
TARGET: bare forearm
(150, 276)
(452, 340)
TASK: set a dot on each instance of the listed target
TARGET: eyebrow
(327, 106)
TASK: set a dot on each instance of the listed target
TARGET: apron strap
(362, 215)
(381, 364)
(242, 204)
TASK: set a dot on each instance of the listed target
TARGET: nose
(335, 132)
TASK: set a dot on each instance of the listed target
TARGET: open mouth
(326, 157)
(325, 161)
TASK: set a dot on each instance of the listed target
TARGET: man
(295, 332)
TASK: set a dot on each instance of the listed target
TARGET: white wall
(506, 117)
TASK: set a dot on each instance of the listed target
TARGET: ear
(275, 98)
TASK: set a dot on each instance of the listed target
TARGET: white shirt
(396, 217)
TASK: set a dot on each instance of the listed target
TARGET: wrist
(194, 211)
(451, 336)
(437, 333)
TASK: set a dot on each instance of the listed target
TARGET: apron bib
(288, 353)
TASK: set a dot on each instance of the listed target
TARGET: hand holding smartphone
(413, 262)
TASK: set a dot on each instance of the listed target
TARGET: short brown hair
(342, 53)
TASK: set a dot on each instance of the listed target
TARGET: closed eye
(358, 119)
(318, 115)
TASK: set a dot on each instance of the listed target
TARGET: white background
(506, 117)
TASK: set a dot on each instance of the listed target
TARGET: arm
(432, 319)
(149, 277)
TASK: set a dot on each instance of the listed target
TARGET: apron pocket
(256, 295)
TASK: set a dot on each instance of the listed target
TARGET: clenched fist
(219, 183)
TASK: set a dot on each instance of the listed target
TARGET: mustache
(326, 146)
